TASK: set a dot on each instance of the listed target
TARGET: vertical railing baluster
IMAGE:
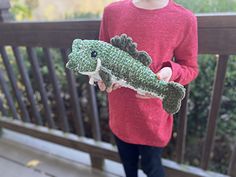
(232, 166)
(214, 109)
(97, 162)
(77, 115)
(5, 15)
(182, 128)
(26, 81)
(57, 91)
(8, 96)
(11, 76)
(94, 113)
(40, 84)
(3, 113)
(2, 109)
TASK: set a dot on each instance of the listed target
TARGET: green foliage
(77, 15)
(22, 9)
(200, 97)
(206, 6)
(199, 104)
(227, 121)
(21, 12)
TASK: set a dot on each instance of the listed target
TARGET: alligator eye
(94, 54)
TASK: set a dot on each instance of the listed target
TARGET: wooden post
(1, 132)
(214, 109)
(182, 128)
(5, 15)
(232, 166)
(97, 162)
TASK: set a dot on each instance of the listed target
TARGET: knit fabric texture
(169, 36)
(121, 63)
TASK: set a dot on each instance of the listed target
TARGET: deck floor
(47, 159)
(15, 159)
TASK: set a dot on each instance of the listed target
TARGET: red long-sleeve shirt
(166, 33)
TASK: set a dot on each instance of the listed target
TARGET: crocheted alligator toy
(120, 62)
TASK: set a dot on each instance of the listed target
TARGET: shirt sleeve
(185, 66)
(103, 33)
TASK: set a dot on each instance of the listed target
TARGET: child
(165, 30)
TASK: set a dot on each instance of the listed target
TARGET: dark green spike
(126, 44)
(144, 58)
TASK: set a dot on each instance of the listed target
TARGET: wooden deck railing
(216, 36)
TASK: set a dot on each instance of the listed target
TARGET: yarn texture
(120, 62)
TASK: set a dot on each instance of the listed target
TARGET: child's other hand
(146, 96)
(164, 74)
(102, 86)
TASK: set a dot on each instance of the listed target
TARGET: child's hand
(102, 86)
(164, 74)
(146, 96)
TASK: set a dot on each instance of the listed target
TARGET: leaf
(33, 163)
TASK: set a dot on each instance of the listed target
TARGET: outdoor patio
(51, 139)
(28, 157)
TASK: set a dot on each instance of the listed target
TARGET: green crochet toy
(120, 62)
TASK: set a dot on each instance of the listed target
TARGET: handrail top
(212, 14)
(210, 20)
(216, 14)
(216, 33)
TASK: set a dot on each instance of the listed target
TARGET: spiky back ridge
(126, 44)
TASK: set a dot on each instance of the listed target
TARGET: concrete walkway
(18, 160)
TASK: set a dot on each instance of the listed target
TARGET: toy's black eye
(94, 54)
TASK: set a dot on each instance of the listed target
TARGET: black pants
(150, 159)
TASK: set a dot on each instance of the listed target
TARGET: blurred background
(73, 9)
(201, 88)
